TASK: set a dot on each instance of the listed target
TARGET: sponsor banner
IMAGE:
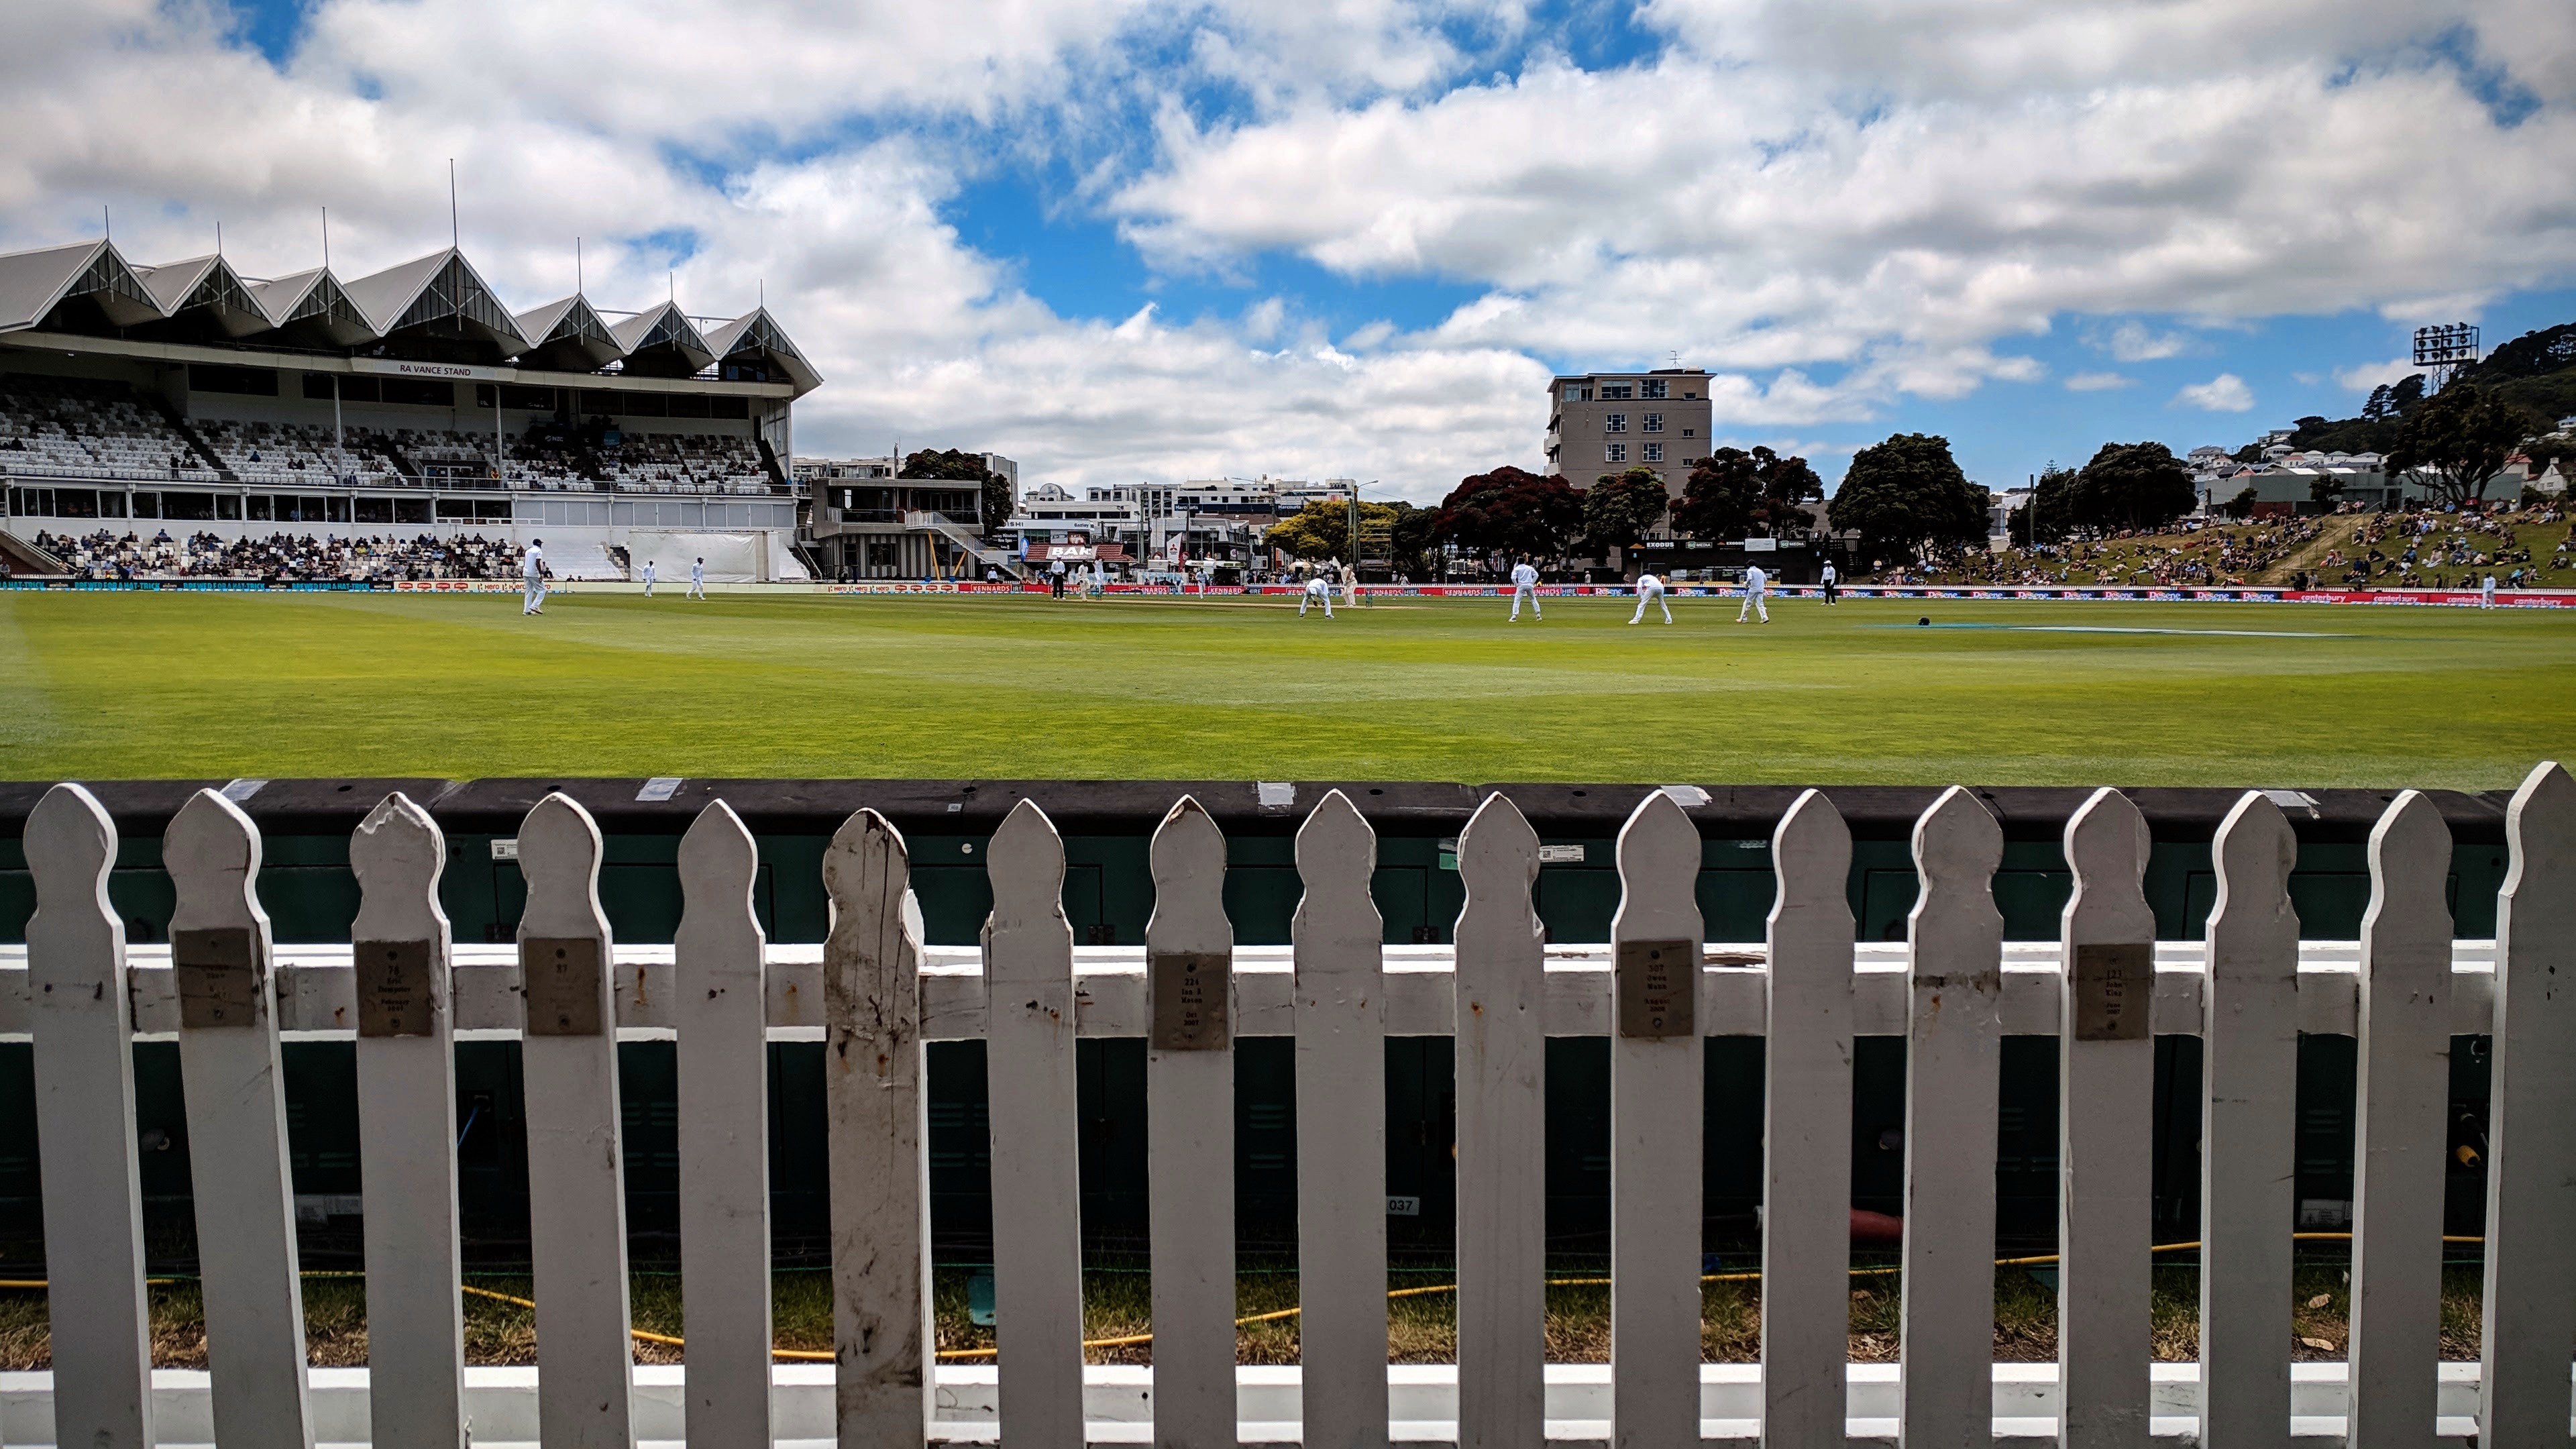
(899, 586)
(458, 586)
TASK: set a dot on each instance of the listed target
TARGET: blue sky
(1119, 240)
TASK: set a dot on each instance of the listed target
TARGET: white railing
(873, 992)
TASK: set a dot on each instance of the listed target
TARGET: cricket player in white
(1650, 590)
(698, 579)
(1524, 586)
(648, 578)
(1318, 590)
(1831, 579)
(2486, 593)
(1755, 582)
(535, 565)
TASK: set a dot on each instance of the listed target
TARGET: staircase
(26, 558)
(196, 444)
(964, 538)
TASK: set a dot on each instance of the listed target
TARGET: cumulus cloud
(2362, 377)
(2134, 341)
(2225, 393)
(2098, 382)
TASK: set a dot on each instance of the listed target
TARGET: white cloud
(2136, 342)
(2225, 393)
(2365, 376)
(2098, 382)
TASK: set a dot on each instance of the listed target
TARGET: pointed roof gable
(207, 282)
(314, 301)
(567, 333)
(663, 333)
(34, 283)
(757, 335)
(440, 287)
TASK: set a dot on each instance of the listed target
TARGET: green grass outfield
(126, 685)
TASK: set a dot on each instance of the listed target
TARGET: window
(1690, 432)
(1614, 422)
(1616, 392)
(1652, 423)
(1573, 393)
(1687, 393)
(258, 508)
(1615, 453)
(1654, 387)
(1654, 452)
(147, 505)
(248, 381)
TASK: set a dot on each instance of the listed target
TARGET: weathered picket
(2104, 992)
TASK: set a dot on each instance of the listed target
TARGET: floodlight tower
(2443, 351)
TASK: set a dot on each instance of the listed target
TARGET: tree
(1322, 529)
(1619, 507)
(2382, 405)
(2131, 485)
(2050, 511)
(964, 467)
(2242, 505)
(1510, 511)
(2325, 488)
(1409, 541)
(1907, 494)
(1787, 485)
(1731, 493)
(2456, 440)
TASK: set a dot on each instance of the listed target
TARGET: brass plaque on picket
(219, 977)
(562, 979)
(395, 994)
(2115, 986)
(1190, 1004)
(1657, 983)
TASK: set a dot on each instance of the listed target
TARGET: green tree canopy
(1731, 493)
(1510, 511)
(2131, 485)
(1907, 494)
(963, 467)
(2457, 439)
(1322, 529)
(2049, 513)
(1619, 507)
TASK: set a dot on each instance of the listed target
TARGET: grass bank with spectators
(123, 685)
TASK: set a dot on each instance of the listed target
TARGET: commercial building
(1609, 422)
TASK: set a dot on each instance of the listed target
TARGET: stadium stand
(379, 404)
(282, 557)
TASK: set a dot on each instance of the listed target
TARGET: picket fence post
(2106, 1064)
(2249, 1129)
(84, 1072)
(1806, 1137)
(2530, 1312)
(237, 1150)
(1189, 1126)
(2400, 1128)
(1953, 1061)
(400, 947)
(576, 1173)
(720, 1006)
(1338, 957)
(875, 1106)
(1656, 1096)
(1500, 989)
(1037, 1189)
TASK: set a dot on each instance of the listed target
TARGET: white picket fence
(1953, 990)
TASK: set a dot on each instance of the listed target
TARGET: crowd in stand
(285, 558)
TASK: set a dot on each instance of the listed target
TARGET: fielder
(2486, 593)
(1524, 586)
(1755, 582)
(1650, 590)
(648, 578)
(1318, 590)
(535, 565)
(698, 579)
(1351, 586)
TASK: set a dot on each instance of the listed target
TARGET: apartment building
(1609, 422)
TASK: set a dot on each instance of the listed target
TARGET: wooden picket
(1500, 995)
(1806, 1136)
(720, 1005)
(1037, 1189)
(84, 1077)
(401, 951)
(876, 1111)
(237, 1158)
(2400, 1127)
(724, 996)
(2106, 1074)
(2248, 1136)
(1189, 1126)
(1341, 1131)
(576, 1173)
(1655, 1125)
(1953, 1062)
(2530, 1308)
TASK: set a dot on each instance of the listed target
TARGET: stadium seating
(73, 427)
(105, 555)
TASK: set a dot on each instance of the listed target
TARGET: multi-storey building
(1609, 422)
(864, 522)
